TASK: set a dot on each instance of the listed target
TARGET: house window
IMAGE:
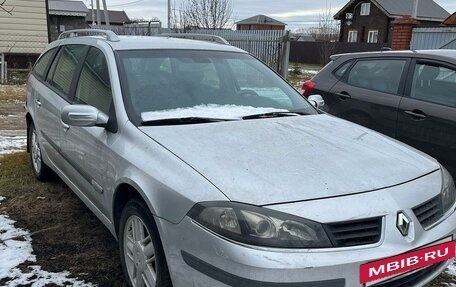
(365, 9)
(372, 36)
(352, 36)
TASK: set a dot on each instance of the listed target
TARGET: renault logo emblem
(403, 223)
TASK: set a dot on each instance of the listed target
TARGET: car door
(88, 148)
(370, 92)
(53, 96)
(427, 115)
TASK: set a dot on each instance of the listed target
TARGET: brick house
(369, 21)
(66, 15)
(260, 22)
(116, 17)
(451, 20)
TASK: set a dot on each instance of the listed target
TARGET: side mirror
(316, 100)
(83, 116)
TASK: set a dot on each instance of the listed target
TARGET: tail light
(307, 88)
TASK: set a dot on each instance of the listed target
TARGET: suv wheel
(142, 255)
(40, 169)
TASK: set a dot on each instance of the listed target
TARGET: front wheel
(41, 171)
(142, 255)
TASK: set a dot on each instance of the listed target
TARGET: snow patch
(12, 141)
(15, 249)
(2, 198)
(208, 111)
(452, 269)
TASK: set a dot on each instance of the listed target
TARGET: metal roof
(261, 20)
(115, 17)
(67, 8)
(427, 9)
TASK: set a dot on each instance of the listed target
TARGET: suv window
(434, 83)
(43, 62)
(64, 66)
(340, 71)
(383, 75)
(94, 86)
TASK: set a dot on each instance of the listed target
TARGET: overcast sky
(296, 13)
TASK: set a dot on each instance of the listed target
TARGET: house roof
(427, 9)
(451, 20)
(260, 20)
(67, 8)
(115, 17)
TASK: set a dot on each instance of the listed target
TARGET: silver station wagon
(211, 170)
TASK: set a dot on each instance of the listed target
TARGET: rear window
(340, 71)
(42, 64)
(63, 68)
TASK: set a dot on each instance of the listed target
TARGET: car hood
(278, 160)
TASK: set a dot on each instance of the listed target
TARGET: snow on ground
(12, 141)
(16, 249)
(208, 111)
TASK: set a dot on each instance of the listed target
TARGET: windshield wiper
(183, 121)
(272, 115)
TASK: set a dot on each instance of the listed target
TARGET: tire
(139, 245)
(41, 171)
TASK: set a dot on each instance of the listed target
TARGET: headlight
(259, 226)
(448, 190)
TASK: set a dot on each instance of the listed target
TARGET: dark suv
(408, 95)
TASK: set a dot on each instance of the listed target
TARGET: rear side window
(43, 62)
(340, 71)
(64, 66)
(383, 75)
(94, 86)
(434, 83)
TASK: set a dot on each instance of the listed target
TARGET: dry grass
(78, 242)
(10, 93)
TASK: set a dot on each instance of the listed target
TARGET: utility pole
(169, 13)
(106, 13)
(415, 9)
(93, 15)
(98, 14)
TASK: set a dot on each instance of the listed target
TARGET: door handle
(416, 114)
(343, 95)
(65, 126)
(38, 102)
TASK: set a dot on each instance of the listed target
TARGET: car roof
(442, 53)
(156, 43)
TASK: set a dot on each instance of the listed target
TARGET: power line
(126, 4)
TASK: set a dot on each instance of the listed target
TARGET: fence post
(2, 69)
(285, 55)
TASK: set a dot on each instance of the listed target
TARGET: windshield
(167, 84)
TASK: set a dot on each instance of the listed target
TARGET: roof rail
(109, 35)
(196, 36)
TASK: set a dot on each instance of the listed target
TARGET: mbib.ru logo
(386, 268)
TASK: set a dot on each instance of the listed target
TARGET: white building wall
(25, 31)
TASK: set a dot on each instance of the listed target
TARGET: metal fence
(270, 46)
(433, 38)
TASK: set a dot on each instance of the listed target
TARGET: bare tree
(2, 7)
(204, 14)
(326, 34)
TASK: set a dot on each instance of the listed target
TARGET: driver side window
(94, 86)
(249, 78)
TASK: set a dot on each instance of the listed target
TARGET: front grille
(412, 279)
(430, 211)
(354, 233)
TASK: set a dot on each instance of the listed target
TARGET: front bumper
(198, 257)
